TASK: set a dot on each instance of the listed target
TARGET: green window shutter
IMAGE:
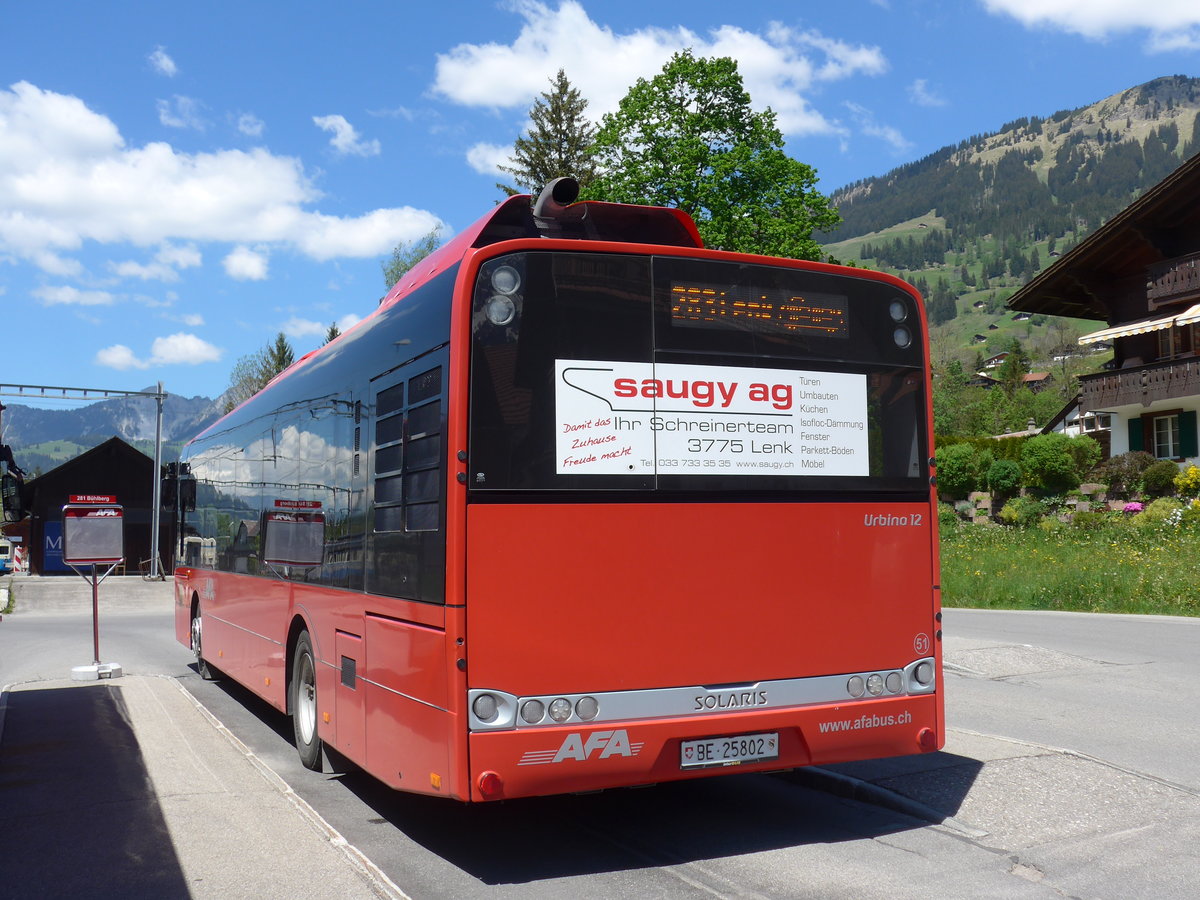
(1187, 433)
(1135, 434)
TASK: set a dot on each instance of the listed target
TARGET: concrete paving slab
(155, 799)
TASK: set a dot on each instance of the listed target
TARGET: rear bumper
(563, 759)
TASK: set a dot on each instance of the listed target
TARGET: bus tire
(304, 703)
(207, 672)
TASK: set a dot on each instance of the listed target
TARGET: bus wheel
(304, 703)
(207, 672)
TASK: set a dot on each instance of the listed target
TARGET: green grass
(1116, 568)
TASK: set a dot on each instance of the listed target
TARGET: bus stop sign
(93, 534)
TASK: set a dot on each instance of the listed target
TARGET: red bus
(582, 505)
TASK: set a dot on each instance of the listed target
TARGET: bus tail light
(490, 709)
(485, 707)
(560, 710)
(587, 708)
(533, 711)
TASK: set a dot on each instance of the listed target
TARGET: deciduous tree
(252, 372)
(688, 138)
(407, 254)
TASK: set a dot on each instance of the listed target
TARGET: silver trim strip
(660, 703)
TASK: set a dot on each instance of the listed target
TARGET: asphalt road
(1072, 770)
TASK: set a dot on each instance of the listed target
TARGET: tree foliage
(252, 372)
(407, 254)
(558, 142)
(688, 138)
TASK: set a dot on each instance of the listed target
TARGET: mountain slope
(44, 438)
(972, 222)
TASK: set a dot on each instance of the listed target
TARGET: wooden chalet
(1139, 274)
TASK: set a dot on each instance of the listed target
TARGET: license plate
(728, 751)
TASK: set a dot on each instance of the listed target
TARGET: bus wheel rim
(306, 700)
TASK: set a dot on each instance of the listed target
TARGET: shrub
(1004, 478)
(1187, 482)
(957, 472)
(1089, 521)
(1086, 452)
(1123, 473)
(1022, 511)
(1049, 463)
(1159, 478)
(1161, 510)
(948, 521)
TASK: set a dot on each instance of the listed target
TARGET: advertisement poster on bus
(620, 418)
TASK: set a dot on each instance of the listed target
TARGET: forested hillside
(970, 223)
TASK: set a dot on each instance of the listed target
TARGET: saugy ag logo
(608, 743)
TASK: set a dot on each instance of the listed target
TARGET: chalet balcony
(1173, 281)
(1141, 384)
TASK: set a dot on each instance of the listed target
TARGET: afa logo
(599, 744)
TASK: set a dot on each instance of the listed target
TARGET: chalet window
(1177, 341)
(1097, 422)
(1166, 437)
(1170, 434)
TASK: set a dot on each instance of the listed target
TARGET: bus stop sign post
(94, 536)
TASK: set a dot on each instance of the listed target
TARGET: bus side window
(407, 479)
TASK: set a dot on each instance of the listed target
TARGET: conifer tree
(558, 142)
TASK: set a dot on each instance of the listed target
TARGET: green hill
(970, 224)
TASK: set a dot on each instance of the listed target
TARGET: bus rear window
(602, 372)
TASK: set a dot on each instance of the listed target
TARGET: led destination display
(763, 310)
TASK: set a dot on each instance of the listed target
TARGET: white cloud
(395, 112)
(162, 63)
(119, 357)
(346, 140)
(182, 348)
(250, 125)
(192, 320)
(166, 264)
(296, 327)
(486, 159)
(1172, 24)
(920, 93)
(181, 112)
(175, 349)
(244, 264)
(865, 119)
(370, 234)
(68, 178)
(66, 295)
(778, 67)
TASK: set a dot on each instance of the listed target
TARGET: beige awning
(1190, 317)
(1143, 326)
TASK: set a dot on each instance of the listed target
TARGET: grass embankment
(1118, 567)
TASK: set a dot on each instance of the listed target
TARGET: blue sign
(52, 551)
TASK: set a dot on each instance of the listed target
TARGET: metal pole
(157, 502)
(95, 617)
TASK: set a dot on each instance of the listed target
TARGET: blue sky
(178, 183)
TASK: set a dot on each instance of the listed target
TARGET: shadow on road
(78, 814)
